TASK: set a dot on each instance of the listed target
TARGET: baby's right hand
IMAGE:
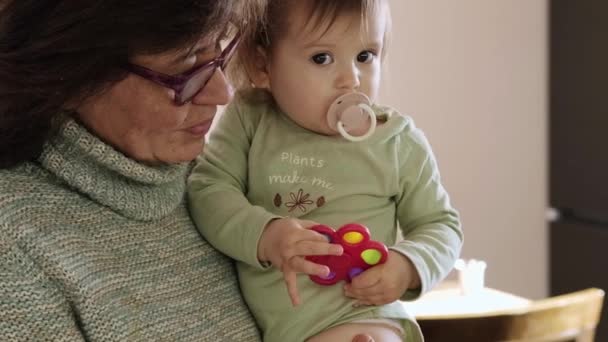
(286, 241)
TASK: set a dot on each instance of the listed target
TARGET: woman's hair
(55, 52)
(320, 14)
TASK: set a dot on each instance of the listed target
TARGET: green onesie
(260, 165)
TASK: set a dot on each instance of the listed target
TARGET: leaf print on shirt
(277, 200)
(321, 201)
(299, 200)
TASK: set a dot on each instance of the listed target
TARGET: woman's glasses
(186, 85)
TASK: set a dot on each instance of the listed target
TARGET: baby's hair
(321, 15)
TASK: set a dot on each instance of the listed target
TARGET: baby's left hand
(385, 283)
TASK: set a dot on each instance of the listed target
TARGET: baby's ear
(258, 69)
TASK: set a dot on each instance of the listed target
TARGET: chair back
(569, 317)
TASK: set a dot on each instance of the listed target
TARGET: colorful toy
(360, 253)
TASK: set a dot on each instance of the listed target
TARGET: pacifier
(352, 116)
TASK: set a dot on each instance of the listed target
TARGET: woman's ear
(258, 73)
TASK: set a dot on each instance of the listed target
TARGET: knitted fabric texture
(95, 246)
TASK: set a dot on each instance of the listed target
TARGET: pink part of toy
(360, 253)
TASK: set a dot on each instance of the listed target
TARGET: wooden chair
(570, 317)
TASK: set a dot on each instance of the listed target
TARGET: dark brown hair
(321, 14)
(62, 51)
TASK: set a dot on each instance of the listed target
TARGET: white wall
(473, 74)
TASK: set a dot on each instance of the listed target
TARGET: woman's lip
(200, 129)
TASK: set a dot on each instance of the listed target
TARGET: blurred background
(512, 96)
(473, 74)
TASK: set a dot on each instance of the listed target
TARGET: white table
(447, 301)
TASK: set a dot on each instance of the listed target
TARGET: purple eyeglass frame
(179, 82)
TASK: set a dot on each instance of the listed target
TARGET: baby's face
(310, 67)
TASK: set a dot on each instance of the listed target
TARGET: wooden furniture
(569, 317)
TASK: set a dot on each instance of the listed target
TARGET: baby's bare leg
(346, 333)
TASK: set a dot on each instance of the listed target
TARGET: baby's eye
(365, 57)
(322, 58)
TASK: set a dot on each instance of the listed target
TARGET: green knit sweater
(97, 247)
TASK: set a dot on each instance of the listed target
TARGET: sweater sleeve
(430, 225)
(32, 307)
(217, 188)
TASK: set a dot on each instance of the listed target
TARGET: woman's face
(140, 119)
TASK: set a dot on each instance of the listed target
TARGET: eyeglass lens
(198, 81)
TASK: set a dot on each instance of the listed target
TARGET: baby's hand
(286, 241)
(385, 283)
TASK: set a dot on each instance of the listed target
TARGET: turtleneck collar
(132, 189)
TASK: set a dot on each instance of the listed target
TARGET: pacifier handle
(350, 113)
(372, 117)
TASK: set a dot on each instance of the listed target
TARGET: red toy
(360, 253)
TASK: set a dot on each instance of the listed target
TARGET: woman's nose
(348, 78)
(218, 91)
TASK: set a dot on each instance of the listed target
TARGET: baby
(304, 143)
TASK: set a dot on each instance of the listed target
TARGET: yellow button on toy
(371, 256)
(353, 237)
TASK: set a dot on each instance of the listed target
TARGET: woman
(95, 145)
(95, 240)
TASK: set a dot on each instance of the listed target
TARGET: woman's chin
(184, 154)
